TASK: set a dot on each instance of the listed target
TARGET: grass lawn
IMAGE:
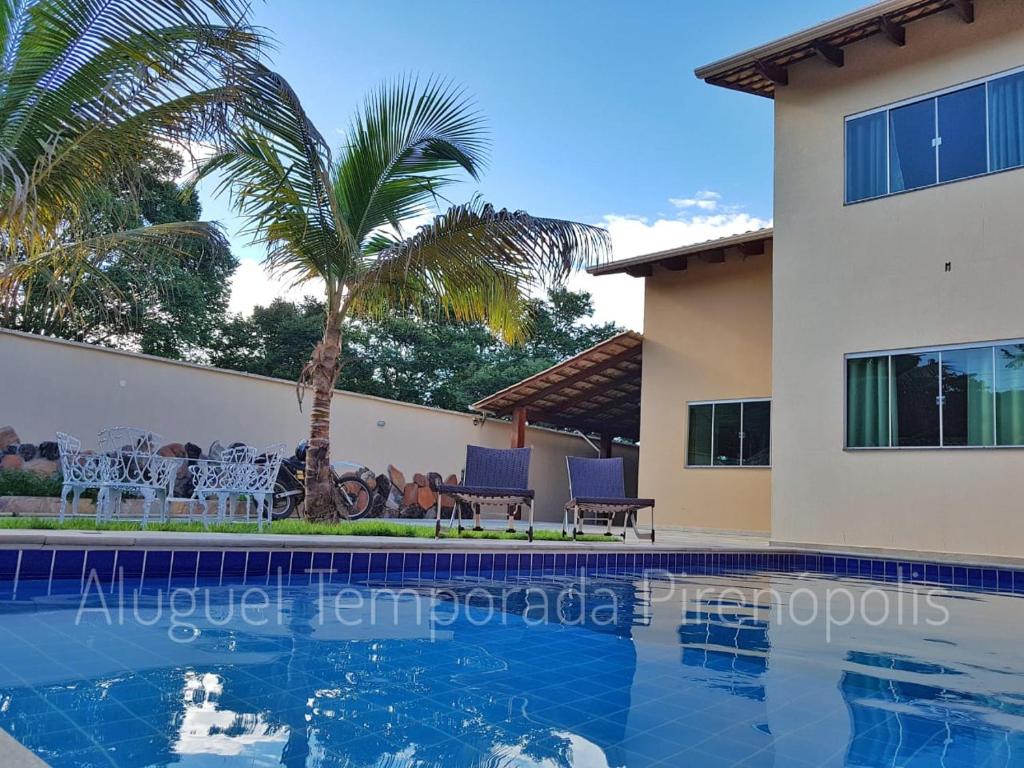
(289, 527)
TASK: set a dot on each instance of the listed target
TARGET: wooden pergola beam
(594, 370)
(772, 71)
(640, 270)
(965, 9)
(628, 430)
(833, 54)
(753, 248)
(896, 33)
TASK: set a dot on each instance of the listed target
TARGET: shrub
(20, 483)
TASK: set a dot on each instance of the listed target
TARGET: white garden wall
(48, 385)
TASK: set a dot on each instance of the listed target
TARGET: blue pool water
(549, 669)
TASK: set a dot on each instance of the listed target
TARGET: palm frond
(400, 150)
(476, 262)
(81, 81)
(275, 167)
(46, 280)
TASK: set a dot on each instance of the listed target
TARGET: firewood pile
(396, 496)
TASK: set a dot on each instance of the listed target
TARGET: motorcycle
(290, 488)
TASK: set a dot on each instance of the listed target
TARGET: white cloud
(620, 298)
(253, 285)
(192, 154)
(704, 200)
(617, 298)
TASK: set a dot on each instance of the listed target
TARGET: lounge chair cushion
(466, 491)
(612, 502)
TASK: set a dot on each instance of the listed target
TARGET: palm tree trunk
(321, 495)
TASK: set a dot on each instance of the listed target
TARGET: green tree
(340, 220)
(273, 341)
(427, 358)
(83, 85)
(433, 360)
(138, 295)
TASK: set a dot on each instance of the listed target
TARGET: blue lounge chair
(598, 491)
(494, 478)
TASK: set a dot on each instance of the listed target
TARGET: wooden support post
(606, 446)
(519, 427)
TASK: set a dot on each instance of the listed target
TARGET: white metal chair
(129, 440)
(81, 471)
(132, 465)
(241, 471)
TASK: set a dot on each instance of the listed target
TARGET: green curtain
(698, 444)
(1006, 122)
(867, 409)
(865, 157)
(1010, 394)
(971, 373)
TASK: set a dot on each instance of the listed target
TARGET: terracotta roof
(747, 243)
(596, 392)
(761, 69)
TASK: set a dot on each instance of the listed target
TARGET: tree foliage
(428, 359)
(138, 295)
(84, 85)
(340, 219)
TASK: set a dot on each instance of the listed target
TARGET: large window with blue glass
(944, 397)
(969, 131)
(729, 433)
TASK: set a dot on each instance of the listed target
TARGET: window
(729, 433)
(912, 146)
(964, 132)
(946, 397)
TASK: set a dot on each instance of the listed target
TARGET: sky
(592, 106)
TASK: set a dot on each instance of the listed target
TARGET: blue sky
(593, 107)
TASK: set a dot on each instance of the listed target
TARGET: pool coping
(911, 555)
(70, 539)
(37, 538)
(17, 755)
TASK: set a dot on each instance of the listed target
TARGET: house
(877, 332)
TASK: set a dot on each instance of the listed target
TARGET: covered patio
(595, 393)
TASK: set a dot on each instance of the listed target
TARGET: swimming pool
(584, 665)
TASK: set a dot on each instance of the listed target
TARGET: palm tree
(83, 85)
(340, 220)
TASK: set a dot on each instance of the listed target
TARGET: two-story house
(877, 333)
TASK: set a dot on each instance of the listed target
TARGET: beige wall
(707, 336)
(48, 385)
(871, 276)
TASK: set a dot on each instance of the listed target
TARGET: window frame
(937, 349)
(727, 401)
(929, 96)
